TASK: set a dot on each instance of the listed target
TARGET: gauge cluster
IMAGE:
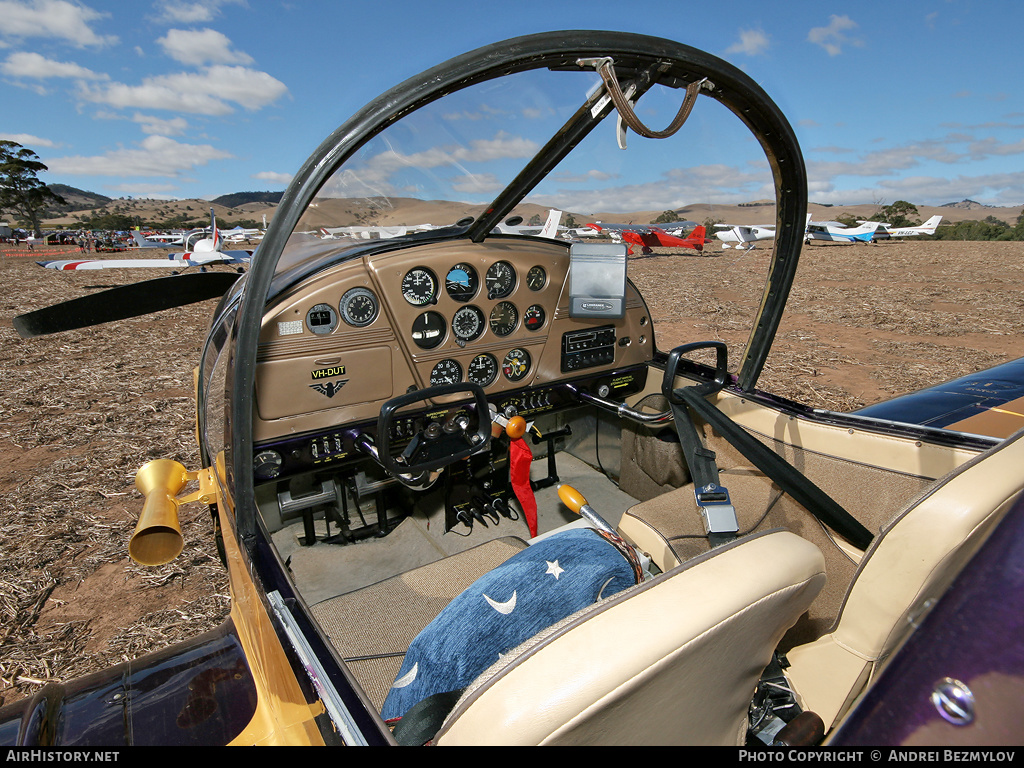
(494, 314)
(483, 312)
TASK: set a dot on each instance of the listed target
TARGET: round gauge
(533, 318)
(536, 278)
(504, 318)
(462, 282)
(483, 370)
(501, 279)
(468, 324)
(322, 319)
(266, 465)
(419, 286)
(516, 364)
(359, 307)
(428, 330)
(446, 372)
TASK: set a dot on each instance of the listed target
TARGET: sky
(918, 101)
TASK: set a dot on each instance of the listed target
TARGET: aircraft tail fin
(931, 225)
(214, 232)
(550, 229)
(141, 241)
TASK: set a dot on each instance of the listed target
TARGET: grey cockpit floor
(325, 570)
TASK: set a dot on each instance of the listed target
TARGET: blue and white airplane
(886, 231)
(836, 232)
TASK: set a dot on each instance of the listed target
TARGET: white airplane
(163, 240)
(548, 230)
(836, 232)
(206, 252)
(574, 233)
(241, 234)
(886, 231)
(744, 236)
(141, 241)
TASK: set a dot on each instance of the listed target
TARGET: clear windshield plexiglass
(448, 162)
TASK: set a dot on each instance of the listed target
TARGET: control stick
(576, 502)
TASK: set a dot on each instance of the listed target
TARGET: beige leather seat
(672, 661)
(908, 566)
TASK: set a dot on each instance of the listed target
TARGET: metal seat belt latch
(716, 509)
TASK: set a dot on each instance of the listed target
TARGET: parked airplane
(744, 236)
(241, 235)
(141, 241)
(206, 252)
(164, 240)
(836, 232)
(887, 231)
(650, 237)
(548, 229)
(740, 570)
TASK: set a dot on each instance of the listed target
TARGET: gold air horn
(157, 539)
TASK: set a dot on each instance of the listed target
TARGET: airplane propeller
(125, 301)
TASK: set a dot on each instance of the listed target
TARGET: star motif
(554, 569)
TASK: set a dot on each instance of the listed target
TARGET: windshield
(448, 162)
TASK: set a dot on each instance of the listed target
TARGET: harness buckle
(716, 509)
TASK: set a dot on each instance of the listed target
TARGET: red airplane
(648, 237)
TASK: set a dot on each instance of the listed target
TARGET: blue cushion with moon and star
(535, 588)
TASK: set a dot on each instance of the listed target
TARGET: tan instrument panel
(337, 347)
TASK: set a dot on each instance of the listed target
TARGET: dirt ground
(81, 411)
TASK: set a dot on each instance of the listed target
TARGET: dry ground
(81, 411)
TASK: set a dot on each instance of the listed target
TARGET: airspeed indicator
(419, 287)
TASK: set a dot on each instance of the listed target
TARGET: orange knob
(516, 427)
(572, 498)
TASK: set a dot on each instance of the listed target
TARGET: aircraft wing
(637, 228)
(989, 402)
(174, 261)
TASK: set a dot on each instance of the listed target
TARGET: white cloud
(833, 37)
(39, 67)
(174, 126)
(713, 183)
(273, 177)
(52, 19)
(182, 12)
(752, 43)
(200, 47)
(28, 140)
(157, 156)
(188, 13)
(203, 93)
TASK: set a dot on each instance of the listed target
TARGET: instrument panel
(496, 314)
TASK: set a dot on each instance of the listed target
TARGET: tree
(898, 214)
(20, 190)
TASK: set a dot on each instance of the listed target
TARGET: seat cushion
(541, 585)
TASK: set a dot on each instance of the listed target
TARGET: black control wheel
(437, 443)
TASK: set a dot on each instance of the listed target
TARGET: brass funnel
(157, 538)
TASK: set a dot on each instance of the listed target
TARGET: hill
(77, 199)
(238, 199)
(240, 207)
